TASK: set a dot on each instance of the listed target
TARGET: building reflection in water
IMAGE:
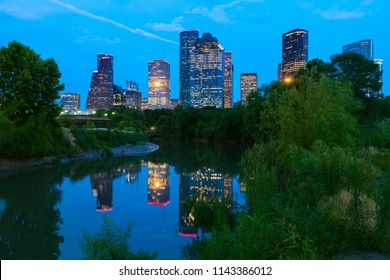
(158, 184)
(102, 189)
(204, 184)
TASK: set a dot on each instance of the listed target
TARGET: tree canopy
(29, 85)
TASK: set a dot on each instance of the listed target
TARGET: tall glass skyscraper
(100, 94)
(159, 85)
(187, 41)
(248, 83)
(207, 72)
(363, 47)
(228, 83)
(295, 46)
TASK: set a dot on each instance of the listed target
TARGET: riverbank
(139, 149)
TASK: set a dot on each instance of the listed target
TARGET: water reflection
(30, 220)
(32, 210)
(158, 183)
(102, 189)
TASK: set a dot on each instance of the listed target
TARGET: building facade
(159, 86)
(206, 73)
(100, 94)
(248, 83)
(187, 42)
(70, 102)
(132, 96)
(363, 47)
(295, 49)
(228, 82)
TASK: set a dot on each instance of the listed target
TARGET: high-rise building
(100, 95)
(295, 46)
(187, 41)
(158, 84)
(118, 96)
(144, 104)
(228, 83)
(132, 96)
(70, 102)
(363, 47)
(248, 83)
(207, 72)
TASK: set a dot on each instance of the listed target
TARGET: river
(45, 211)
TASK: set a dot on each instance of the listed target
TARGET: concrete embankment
(139, 149)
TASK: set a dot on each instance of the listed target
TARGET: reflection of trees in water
(30, 223)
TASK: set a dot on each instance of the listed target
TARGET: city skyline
(134, 33)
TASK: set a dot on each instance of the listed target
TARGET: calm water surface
(44, 212)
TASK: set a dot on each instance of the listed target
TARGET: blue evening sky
(73, 32)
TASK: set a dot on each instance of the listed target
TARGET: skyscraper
(132, 96)
(295, 45)
(363, 47)
(187, 41)
(100, 95)
(228, 83)
(159, 86)
(207, 72)
(248, 83)
(70, 102)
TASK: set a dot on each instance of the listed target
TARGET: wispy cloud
(338, 11)
(98, 39)
(110, 21)
(26, 9)
(218, 13)
(174, 26)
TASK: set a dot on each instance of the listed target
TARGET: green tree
(29, 85)
(365, 78)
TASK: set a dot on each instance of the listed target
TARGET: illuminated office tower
(187, 41)
(158, 184)
(207, 72)
(295, 45)
(363, 47)
(248, 83)
(159, 86)
(70, 102)
(228, 83)
(132, 96)
(100, 94)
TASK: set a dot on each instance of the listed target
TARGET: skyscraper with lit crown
(159, 86)
(295, 48)
(100, 94)
(207, 72)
